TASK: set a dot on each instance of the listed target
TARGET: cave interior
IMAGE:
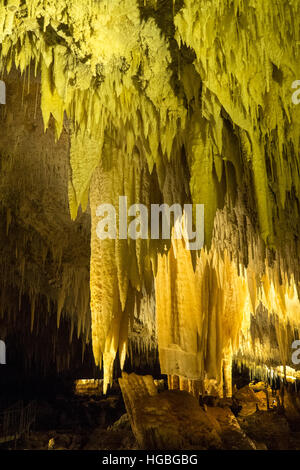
(138, 340)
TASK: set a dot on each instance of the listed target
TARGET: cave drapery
(171, 101)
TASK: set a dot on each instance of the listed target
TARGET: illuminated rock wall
(184, 101)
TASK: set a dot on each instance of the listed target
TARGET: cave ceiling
(162, 101)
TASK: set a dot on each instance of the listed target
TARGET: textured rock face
(174, 419)
(229, 430)
(168, 420)
(160, 102)
(44, 255)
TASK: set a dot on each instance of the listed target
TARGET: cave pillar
(194, 387)
(173, 382)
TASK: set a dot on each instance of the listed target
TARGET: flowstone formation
(176, 101)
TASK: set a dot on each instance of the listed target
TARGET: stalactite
(208, 127)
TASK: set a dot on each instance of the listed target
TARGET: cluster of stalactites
(247, 55)
(268, 374)
(91, 70)
(199, 312)
(273, 285)
(105, 67)
(68, 291)
(120, 268)
(204, 314)
(111, 70)
(112, 76)
(36, 251)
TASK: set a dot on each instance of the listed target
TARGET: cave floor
(101, 423)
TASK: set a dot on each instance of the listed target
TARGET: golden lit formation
(175, 101)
